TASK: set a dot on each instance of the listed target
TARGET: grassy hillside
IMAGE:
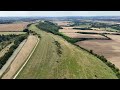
(53, 60)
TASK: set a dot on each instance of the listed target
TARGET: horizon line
(64, 16)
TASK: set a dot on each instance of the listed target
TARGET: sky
(59, 13)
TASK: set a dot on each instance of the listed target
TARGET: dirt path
(21, 57)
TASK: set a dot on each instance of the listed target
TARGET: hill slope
(56, 58)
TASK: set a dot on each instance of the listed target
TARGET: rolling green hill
(55, 58)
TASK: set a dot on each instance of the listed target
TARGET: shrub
(91, 51)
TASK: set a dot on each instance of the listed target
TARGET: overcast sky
(59, 13)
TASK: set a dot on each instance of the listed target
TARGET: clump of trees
(7, 37)
(115, 26)
(87, 28)
(53, 28)
(99, 25)
(79, 22)
(26, 30)
(49, 27)
(59, 52)
(88, 32)
(31, 32)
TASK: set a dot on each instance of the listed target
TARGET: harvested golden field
(21, 57)
(108, 48)
(78, 35)
(71, 30)
(13, 27)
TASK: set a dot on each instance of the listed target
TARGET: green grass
(8, 33)
(85, 26)
(74, 63)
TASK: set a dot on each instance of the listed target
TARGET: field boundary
(26, 60)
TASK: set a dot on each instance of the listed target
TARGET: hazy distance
(59, 13)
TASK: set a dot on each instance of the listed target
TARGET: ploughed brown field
(13, 27)
(108, 48)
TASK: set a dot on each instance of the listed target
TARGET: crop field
(108, 48)
(73, 62)
(12, 27)
(21, 57)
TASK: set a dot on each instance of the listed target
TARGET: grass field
(73, 63)
(84, 26)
